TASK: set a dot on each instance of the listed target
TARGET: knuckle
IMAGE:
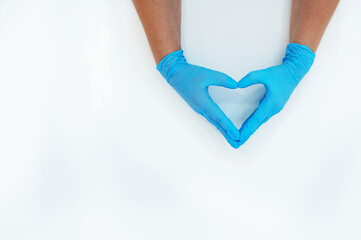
(221, 120)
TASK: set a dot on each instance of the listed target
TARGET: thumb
(221, 79)
(250, 79)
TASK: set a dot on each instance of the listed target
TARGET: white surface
(95, 145)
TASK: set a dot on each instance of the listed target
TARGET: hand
(279, 81)
(192, 82)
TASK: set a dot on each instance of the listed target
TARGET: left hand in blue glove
(279, 81)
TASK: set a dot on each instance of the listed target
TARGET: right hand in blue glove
(192, 82)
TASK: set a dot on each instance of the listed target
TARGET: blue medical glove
(279, 81)
(192, 82)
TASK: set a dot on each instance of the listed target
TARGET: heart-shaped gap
(238, 104)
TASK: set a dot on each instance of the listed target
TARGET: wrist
(171, 63)
(162, 51)
(299, 58)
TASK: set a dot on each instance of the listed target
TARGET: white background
(94, 144)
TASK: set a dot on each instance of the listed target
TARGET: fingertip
(232, 83)
(251, 78)
(244, 82)
(244, 135)
(234, 144)
(244, 140)
(234, 133)
(229, 83)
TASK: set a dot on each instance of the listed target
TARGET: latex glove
(279, 81)
(192, 82)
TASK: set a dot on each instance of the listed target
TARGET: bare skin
(161, 20)
(309, 19)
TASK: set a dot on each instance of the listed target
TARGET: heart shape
(238, 104)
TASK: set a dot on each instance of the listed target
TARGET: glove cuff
(300, 58)
(171, 63)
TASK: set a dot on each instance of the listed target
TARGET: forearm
(309, 19)
(161, 20)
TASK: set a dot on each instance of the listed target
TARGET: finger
(213, 111)
(221, 79)
(245, 138)
(258, 117)
(235, 144)
(250, 79)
